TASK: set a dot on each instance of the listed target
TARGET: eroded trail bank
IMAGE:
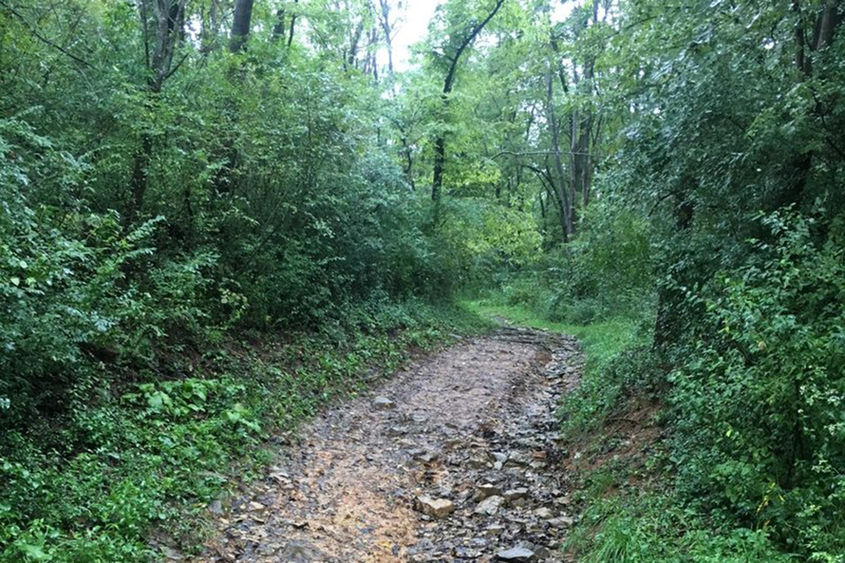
(455, 457)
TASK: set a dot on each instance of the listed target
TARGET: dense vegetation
(215, 214)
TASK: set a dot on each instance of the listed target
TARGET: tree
(161, 24)
(240, 25)
(460, 36)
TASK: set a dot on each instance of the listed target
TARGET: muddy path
(453, 458)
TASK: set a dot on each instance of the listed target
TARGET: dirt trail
(454, 458)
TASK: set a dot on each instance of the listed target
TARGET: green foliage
(652, 527)
(68, 283)
(482, 240)
(730, 159)
(151, 207)
(606, 272)
(162, 449)
(762, 437)
(619, 362)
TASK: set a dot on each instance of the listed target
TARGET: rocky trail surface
(454, 458)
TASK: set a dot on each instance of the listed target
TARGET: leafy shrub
(65, 283)
(605, 273)
(758, 402)
(481, 240)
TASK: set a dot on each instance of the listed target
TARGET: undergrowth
(633, 509)
(157, 451)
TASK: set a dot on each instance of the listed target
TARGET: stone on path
(490, 505)
(383, 403)
(436, 508)
(487, 490)
(562, 522)
(515, 494)
(299, 551)
(448, 460)
(516, 554)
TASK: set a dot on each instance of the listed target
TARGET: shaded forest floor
(458, 456)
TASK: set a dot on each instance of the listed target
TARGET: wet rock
(383, 403)
(562, 522)
(299, 551)
(462, 552)
(563, 500)
(490, 505)
(171, 554)
(423, 455)
(486, 490)
(516, 554)
(436, 508)
(495, 529)
(453, 443)
(518, 459)
(477, 461)
(515, 494)
(397, 430)
(466, 445)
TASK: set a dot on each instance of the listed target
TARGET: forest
(216, 216)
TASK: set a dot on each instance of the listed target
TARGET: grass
(602, 340)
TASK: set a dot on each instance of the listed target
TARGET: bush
(77, 287)
(653, 527)
(758, 402)
(605, 273)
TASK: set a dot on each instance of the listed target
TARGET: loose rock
(436, 508)
(456, 458)
(489, 506)
(486, 490)
(383, 403)
(514, 494)
(516, 554)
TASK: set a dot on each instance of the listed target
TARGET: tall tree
(240, 25)
(457, 41)
(161, 23)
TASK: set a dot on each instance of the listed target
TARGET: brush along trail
(454, 458)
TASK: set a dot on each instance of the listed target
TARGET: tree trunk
(353, 46)
(824, 33)
(169, 18)
(554, 131)
(292, 26)
(666, 323)
(279, 26)
(240, 25)
(439, 160)
(384, 18)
